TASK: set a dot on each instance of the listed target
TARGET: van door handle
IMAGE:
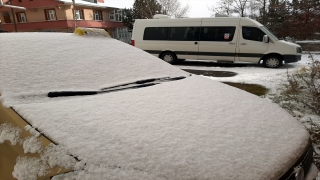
(243, 44)
(232, 43)
(195, 42)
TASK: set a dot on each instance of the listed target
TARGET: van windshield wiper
(133, 85)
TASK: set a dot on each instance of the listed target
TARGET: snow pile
(28, 168)
(57, 156)
(32, 130)
(9, 132)
(32, 145)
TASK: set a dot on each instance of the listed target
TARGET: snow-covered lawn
(252, 73)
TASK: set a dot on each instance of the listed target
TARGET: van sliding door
(184, 41)
(218, 40)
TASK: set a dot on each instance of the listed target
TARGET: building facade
(58, 16)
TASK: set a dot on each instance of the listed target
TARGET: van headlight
(299, 50)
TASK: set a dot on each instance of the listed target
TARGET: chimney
(100, 1)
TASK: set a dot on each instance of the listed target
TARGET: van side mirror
(265, 39)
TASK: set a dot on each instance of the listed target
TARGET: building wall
(36, 18)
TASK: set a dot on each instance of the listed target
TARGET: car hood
(194, 128)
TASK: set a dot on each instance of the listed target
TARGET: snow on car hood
(193, 128)
(33, 64)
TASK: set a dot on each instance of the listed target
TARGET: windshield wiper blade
(134, 85)
(155, 80)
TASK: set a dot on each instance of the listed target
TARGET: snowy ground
(257, 74)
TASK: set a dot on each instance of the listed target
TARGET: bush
(301, 92)
(300, 95)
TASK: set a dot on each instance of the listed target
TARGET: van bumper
(292, 58)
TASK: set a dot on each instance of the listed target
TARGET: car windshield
(269, 33)
(73, 63)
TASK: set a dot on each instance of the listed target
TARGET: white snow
(58, 156)
(257, 74)
(32, 144)
(309, 41)
(9, 132)
(32, 130)
(193, 128)
(28, 168)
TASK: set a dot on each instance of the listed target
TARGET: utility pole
(74, 15)
(14, 20)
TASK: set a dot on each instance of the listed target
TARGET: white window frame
(51, 15)
(116, 15)
(78, 15)
(22, 17)
(97, 15)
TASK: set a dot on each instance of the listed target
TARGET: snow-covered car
(77, 107)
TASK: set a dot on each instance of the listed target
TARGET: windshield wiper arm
(134, 85)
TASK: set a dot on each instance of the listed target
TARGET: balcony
(60, 24)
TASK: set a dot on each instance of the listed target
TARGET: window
(252, 33)
(116, 15)
(217, 33)
(78, 14)
(97, 15)
(122, 34)
(173, 33)
(21, 16)
(50, 14)
(156, 33)
(184, 33)
(6, 18)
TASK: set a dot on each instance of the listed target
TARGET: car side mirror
(265, 39)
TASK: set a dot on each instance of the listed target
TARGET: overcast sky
(198, 8)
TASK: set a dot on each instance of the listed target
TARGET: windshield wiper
(133, 85)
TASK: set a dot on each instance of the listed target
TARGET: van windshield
(266, 30)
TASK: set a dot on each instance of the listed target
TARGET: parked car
(79, 107)
(224, 39)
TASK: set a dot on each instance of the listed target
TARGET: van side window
(252, 33)
(184, 33)
(217, 33)
(156, 33)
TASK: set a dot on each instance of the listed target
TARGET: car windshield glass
(269, 33)
(72, 63)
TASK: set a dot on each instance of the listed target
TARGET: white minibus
(224, 39)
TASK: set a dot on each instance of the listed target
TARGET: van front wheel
(169, 57)
(272, 62)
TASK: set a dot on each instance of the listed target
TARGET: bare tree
(173, 8)
(224, 7)
(254, 7)
(240, 7)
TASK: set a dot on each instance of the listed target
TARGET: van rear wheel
(169, 57)
(272, 62)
